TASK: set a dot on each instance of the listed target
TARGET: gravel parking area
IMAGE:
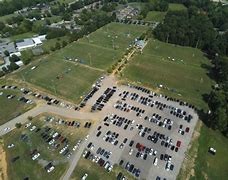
(144, 132)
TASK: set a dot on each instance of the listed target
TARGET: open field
(207, 165)
(66, 78)
(202, 165)
(101, 48)
(95, 172)
(10, 108)
(176, 7)
(34, 169)
(182, 71)
(155, 16)
(22, 36)
(60, 77)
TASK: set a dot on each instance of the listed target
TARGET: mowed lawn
(10, 108)
(176, 7)
(60, 77)
(155, 16)
(181, 70)
(95, 172)
(25, 166)
(208, 166)
(103, 47)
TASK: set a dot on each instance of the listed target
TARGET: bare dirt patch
(3, 163)
(187, 169)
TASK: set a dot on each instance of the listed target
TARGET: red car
(178, 143)
(187, 129)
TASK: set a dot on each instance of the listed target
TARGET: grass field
(155, 16)
(95, 172)
(61, 77)
(176, 7)
(71, 83)
(185, 77)
(25, 166)
(22, 36)
(208, 166)
(10, 108)
(202, 165)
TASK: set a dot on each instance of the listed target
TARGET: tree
(18, 125)
(26, 56)
(57, 45)
(2, 26)
(6, 53)
(14, 58)
(2, 73)
(30, 118)
(64, 43)
(13, 66)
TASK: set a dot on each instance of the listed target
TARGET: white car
(167, 167)
(84, 154)
(51, 142)
(51, 169)
(10, 146)
(7, 129)
(63, 149)
(84, 176)
(130, 152)
(56, 134)
(155, 162)
(27, 125)
(32, 128)
(35, 156)
(86, 138)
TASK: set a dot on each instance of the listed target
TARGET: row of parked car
(97, 159)
(103, 99)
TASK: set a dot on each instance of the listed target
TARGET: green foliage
(18, 125)
(26, 56)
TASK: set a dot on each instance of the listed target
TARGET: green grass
(25, 166)
(95, 172)
(71, 84)
(199, 163)
(10, 108)
(185, 77)
(207, 165)
(155, 16)
(47, 44)
(4, 18)
(95, 50)
(22, 36)
(177, 7)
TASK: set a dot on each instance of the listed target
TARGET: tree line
(205, 26)
(9, 7)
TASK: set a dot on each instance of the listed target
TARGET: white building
(30, 43)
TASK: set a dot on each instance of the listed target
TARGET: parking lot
(144, 132)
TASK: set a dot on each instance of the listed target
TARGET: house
(29, 43)
(25, 44)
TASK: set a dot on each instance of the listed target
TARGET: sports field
(105, 46)
(60, 77)
(155, 16)
(182, 71)
(94, 53)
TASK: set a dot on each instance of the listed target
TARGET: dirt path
(3, 164)
(187, 170)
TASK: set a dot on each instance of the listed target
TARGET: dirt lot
(3, 164)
